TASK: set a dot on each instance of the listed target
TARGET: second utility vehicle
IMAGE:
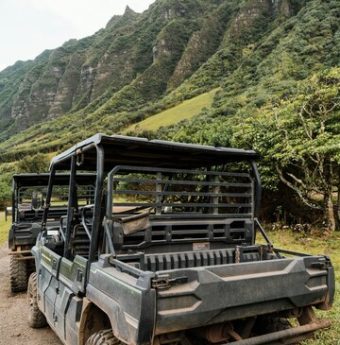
(29, 192)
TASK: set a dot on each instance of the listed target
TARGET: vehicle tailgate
(206, 295)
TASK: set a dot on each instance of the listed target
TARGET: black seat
(80, 242)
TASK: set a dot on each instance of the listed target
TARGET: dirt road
(14, 329)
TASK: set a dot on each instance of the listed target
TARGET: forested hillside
(265, 74)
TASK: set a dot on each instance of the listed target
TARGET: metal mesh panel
(171, 192)
(158, 206)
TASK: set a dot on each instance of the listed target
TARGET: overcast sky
(27, 27)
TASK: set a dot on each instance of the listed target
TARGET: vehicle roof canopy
(41, 179)
(124, 150)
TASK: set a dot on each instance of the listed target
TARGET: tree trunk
(328, 209)
(329, 213)
(338, 201)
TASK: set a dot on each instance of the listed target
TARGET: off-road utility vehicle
(167, 253)
(29, 192)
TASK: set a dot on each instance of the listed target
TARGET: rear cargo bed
(240, 290)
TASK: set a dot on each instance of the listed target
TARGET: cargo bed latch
(164, 282)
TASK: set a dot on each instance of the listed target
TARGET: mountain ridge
(149, 62)
(133, 49)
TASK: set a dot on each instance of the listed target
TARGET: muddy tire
(103, 338)
(18, 274)
(36, 318)
(271, 324)
(278, 324)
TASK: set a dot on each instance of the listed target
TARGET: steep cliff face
(73, 75)
(135, 53)
(95, 68)
(203, 43)
(251, 12)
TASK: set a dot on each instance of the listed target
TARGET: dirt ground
(14, 329)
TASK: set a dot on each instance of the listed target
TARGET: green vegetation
(298, 136)
(183, 111)
(5, 192)
(38, 163)
(4, 227)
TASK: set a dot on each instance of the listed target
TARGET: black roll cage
(34, 180)
(75, 158)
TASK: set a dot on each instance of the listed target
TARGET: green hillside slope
(183, 111)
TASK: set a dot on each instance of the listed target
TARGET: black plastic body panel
(229, 292)
(206, 295)
(23, 234)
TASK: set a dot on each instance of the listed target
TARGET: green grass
(315, 245)
(183, 111)
(4, 226)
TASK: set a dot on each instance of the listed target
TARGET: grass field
(286, 239)
(4, 226)
(183, 111)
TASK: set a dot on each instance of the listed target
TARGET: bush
(34, 164)
(5, 191)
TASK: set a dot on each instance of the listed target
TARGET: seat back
(80, 242)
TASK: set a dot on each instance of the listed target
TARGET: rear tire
(278, 324)
(270, 324)
(103, 338)
(36, 318)
(18, 274)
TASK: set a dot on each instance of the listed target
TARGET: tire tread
(36, 318)
(18, 274)
(104, 337)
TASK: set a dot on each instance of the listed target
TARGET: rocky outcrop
(202, 44)
(250, 13)
(282, 7)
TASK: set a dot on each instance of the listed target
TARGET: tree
(37, 164)
(300, 138)
(315, 142)
(5, 191)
